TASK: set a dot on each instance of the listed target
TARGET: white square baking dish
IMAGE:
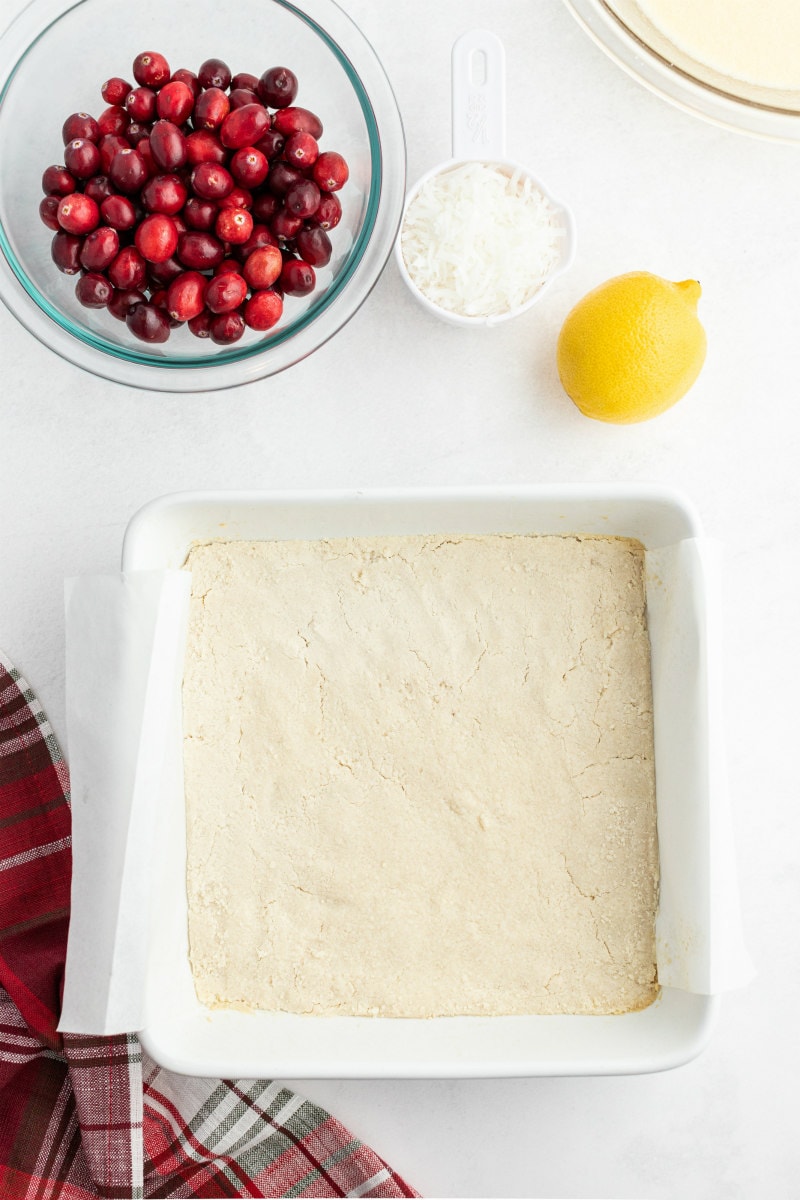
(182, 1034)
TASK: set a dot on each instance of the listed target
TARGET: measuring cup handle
(479, 96)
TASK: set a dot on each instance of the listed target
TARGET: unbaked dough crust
(419, 776)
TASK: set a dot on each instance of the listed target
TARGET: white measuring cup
(479, 135)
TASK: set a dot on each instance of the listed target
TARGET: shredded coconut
(478, 242)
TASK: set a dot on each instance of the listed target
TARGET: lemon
(632, 347)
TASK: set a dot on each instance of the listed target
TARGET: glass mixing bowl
(53, 60)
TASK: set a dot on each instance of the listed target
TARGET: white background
(400, 399)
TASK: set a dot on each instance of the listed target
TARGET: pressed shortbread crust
(419, 776)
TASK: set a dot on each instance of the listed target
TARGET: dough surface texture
(420, 777)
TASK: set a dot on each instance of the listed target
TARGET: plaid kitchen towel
(83, 1116)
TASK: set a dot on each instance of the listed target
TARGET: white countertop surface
(400, 399)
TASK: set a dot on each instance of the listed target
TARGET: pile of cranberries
(201, 199)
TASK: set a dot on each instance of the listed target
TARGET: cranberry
(301, 150)
(128, 170)
(329, 213)
(265, 206)
(93, 290)
(244, 126)
(249, 167)
(57, 181)
(199, 251)
(241, 96)
(109, 145)
(80, 125)
(262, 267)
(204, 146)
(263, 310)
(162, 274)
(122, 301)
(78, 214)
(281, 177)
(164, 194)
(303, 199)
(200, 214)
(82, 158)
(277, 87)
(99, 188)
(200, 325)
(314, 246)
(113, 120)
(286, 225)
(175, 102)
(189, 78)
(65, 251)
(238, 198)
(157, 238)
(260, 236)
(148, 323)
(211, 181)
(214, 73)
(115, 90)
(186, 295)
(271, 144)
(234, 225)
(150, 69)
(297, 120)
(228, 264)
(100, 248)
(137, 131)
(168, 145)
(330, 171)
(48, 211)
(118, 212)
(244, 80)
(297, 277)
(140, 104)
(159, 299)
(144, 148)
(211, 108)
(226, 328)
(128, 270)
(225, 292)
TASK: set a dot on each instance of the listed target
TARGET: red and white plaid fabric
(93, 1116)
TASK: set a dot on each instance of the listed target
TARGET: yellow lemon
(632, 347)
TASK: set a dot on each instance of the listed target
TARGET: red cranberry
(115, 90)
(148, 323)
(303, 199)
(286, 225)
(175, 102)
(168, 145)
(244, 126)
(82, 158)
(297, 120)
(159, 299)
(162, 274)
(80, 125)
(249, 166)
(244, 80)
(314, 246)
(140, 104)
(109, 145)
(238, 198)
(265, 206)
(204, 146)
(118, 212)
(211, 181)
(128, 170)
(48, 211)
(144, 148)
(234, 225)
(186, 295)
(150, 69)
(228, 264)
(281, 177)
(210, 109)
(78, 214)
(226, 328)
(225, 292)
(93, 290)
(271, 144)
(99, 188)
(164, 194)
(65, 251)
(297, 278)
(263, 310)
(330, 171)
(128, 270)
(57, 181)
(122, 301)
(100, 248)
(113, 120)
(200, 214)
(263, 267)
(329, 213)
(238, 97)
(260, 236)
(189, 78)
(277, 87)
(301, 150)
(137, 131)
(214, 73)
(200, 325)
(200, 251)
(157, 238)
